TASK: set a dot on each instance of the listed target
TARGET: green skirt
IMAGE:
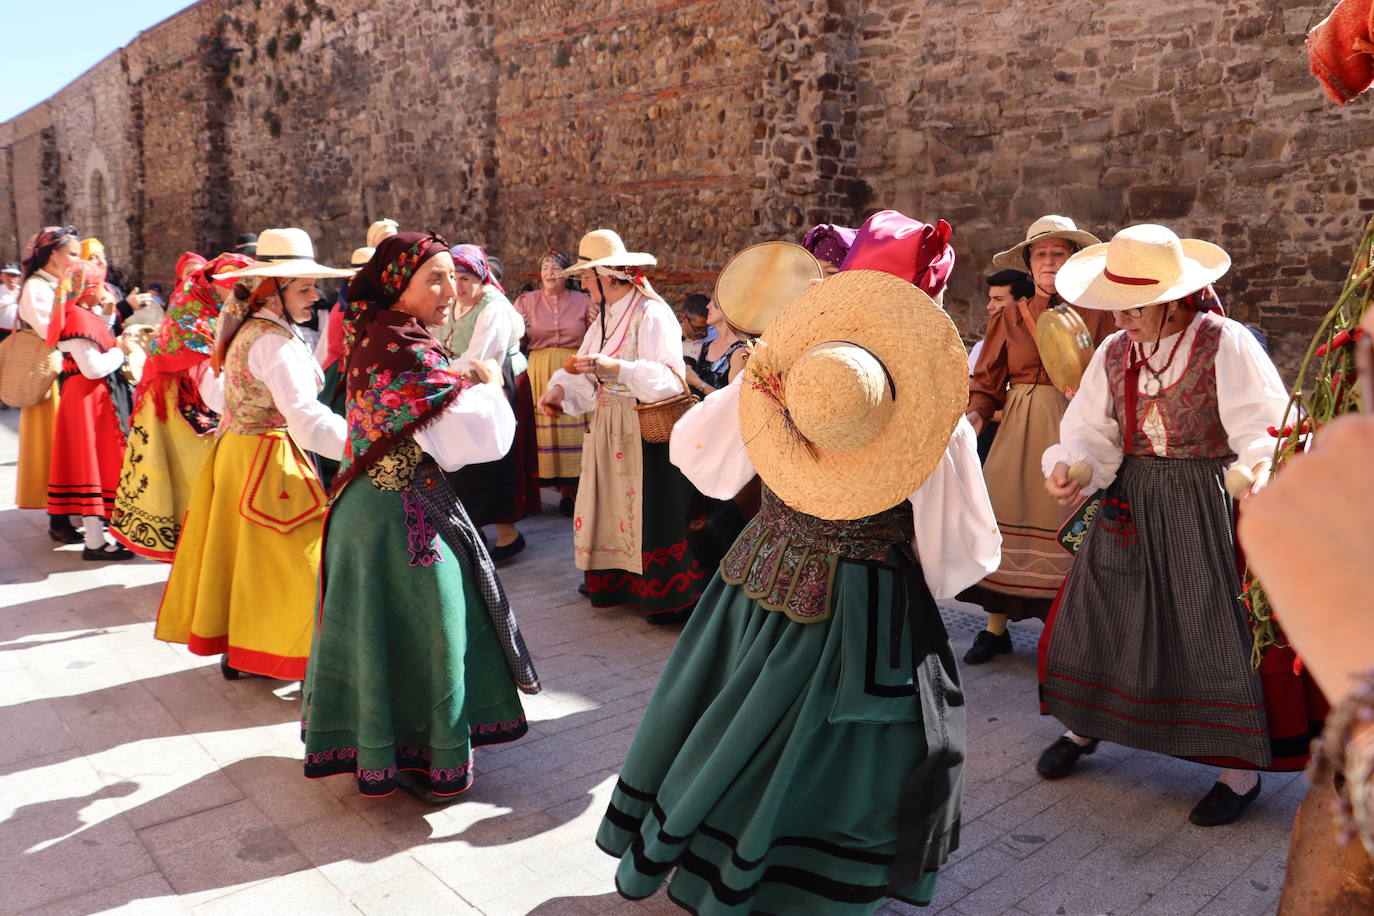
(788, 767)
(406, 671)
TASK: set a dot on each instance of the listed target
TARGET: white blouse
(1251, 398)
(478, 426)
(495, 334)
(648, 377)
(35, 301)
(90, 359)
(288, 369)
(956, 539)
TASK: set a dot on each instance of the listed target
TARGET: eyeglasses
(1134, 313)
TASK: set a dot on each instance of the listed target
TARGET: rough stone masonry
(697, 127)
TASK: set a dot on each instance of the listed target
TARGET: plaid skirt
(1150, 645)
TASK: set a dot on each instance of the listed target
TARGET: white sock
(94, 531)
(1077, 739)
(1239, 781)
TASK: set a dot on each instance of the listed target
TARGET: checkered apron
(1151, 645)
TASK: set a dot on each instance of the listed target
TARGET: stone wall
(697, 127)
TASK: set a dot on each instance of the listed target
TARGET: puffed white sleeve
(956, 539)
(211, 388)
(1250, 394)
(490, 336)
(579, 391)
(90, 359)
(35, 304)
(288, 370)
(476, 427)
(649, 377)
(1089, 431)
(321, 351)
(707, 445)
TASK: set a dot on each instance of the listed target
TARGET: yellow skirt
(35, 453)
(161, 464)
(243, 581)
(559, 438)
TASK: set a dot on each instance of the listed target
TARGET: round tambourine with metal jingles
(759, 282)
(1065, 345)
(139, 338)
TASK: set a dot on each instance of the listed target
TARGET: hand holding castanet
(1066, 484)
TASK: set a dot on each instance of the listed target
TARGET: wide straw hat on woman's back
(851, 395)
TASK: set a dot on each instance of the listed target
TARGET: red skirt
(88, 450)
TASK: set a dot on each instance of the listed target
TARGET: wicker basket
(656, 420)
(28, 368)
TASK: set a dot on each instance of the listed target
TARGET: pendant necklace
(1153, 383)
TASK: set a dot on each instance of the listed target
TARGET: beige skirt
(608, 518)
(1033, 563)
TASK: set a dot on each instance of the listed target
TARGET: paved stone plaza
(134, 778)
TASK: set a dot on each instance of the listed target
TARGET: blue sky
(43, 48)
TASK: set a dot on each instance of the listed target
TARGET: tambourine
(139, 339)
(1065, 345)
(759, 282)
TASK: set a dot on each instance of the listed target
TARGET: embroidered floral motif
(394, 470)
(251, 408)
(787, 560)
(422, 538)
(193, 310)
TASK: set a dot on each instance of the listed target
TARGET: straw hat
(759, 282)
(1046, 227)
(851, 395)
(381, 229)
(1142, 265)
(360, 257)
(286, 253)
(603, 248)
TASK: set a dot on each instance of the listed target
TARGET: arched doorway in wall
(97, 217)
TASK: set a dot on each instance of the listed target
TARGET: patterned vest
(628, 348)
(1184, 419)
(247, 399)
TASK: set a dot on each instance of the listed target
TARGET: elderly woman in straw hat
(1009, 376)
(628, 523)
(243, 577)
(803, 752)
(176, 408)
(417, 658)
(1150, 645)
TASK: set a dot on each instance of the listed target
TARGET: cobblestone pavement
(133, 777)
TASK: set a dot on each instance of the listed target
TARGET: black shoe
(1059, 758)
(1221, 805)
(583, 590)
(67, 535)
(417, 785)
(226, 672)
(986, 645)
(108, 552)
(500, 553)
(566, 506)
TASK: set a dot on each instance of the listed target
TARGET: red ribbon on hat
(1128, 281)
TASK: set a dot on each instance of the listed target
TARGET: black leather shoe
(63, 532)
(985, 646)
(108, 552)
(1059, 758)
(583, 590)
(500, 553)
(1221, 805)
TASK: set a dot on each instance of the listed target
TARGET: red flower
(391, 399)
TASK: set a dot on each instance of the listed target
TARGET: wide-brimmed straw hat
(286, 253)
(758, 283)
(360, 257)
(603, 248)
(851, 395)
(1142, 265)
(1046, 227)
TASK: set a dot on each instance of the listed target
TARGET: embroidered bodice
(248, 401)
(1182, 420)
(786, 560)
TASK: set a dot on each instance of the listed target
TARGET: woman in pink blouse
(557, 316)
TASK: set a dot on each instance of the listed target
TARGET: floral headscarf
(473, 260)
(187, 264)
(187, 333)
(397, 375)
(81, 282)
(40, 247)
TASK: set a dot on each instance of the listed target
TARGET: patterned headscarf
(40, 247)
(80, 282)
(187, 333)
(473, 260)
(91, 247)
(187, 264)
(829, 243)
